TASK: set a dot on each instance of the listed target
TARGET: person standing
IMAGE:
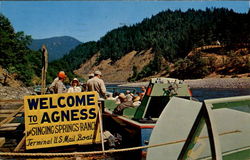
(91, 75)
(74, 86)
(59, 86)
(97, 84)
(51, 88)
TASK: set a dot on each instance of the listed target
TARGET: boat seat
(110, 104)
(129, 112)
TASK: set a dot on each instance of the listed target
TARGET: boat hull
(132, 132)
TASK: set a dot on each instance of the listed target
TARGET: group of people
(128, 100)
(95, 83)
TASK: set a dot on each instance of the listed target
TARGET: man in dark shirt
(124, 104)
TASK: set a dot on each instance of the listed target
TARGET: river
(209, 93)
(200, 93)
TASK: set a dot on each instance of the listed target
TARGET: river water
(209, 93)
(199, 93)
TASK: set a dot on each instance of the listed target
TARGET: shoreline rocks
(219, 83)
(206, 83)
(10, 93)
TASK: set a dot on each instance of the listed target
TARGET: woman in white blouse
(74, 86)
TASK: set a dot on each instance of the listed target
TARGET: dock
(11, 125)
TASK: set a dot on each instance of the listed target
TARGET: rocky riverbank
(7, 93)
(207, 83)
(219, 83)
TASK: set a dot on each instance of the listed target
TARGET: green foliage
(152, 68)
(16, 57)
(146, 71)
(134, 76)
(167, 69)
(211, 61)
(190, 68)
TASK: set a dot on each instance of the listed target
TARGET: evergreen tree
(15, 56)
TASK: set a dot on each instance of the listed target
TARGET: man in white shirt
(97, 84)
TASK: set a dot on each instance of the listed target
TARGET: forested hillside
(56, 46)
(19, 61)
(171, 35)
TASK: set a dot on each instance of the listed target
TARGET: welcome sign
(61, 119)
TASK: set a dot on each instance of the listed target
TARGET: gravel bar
(206, 83)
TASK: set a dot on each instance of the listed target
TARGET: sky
(90, 20)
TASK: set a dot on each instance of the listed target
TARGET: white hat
(75, 79)
(98, 73)
(91, 75)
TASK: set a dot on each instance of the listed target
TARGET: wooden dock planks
(2, 141)
(9, 132)
(9, 127)
(6, 111)
(11, 116)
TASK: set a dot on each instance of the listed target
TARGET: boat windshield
(229, 126)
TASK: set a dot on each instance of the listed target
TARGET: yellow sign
(61, 119)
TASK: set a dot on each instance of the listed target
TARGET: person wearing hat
(124, 104)
(143, 89)
(59, 86)
(129, 95)
(60, 76)
(97, 84)
(74, 88)
(136, 101)
(91, 75)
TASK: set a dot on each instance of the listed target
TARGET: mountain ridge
(57, 46)
(171, 36)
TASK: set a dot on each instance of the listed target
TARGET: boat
(214, 129)
(134, 127)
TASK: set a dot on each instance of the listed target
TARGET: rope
(98, 152)
(83, 153)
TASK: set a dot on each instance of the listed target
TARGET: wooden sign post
(44, 68)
